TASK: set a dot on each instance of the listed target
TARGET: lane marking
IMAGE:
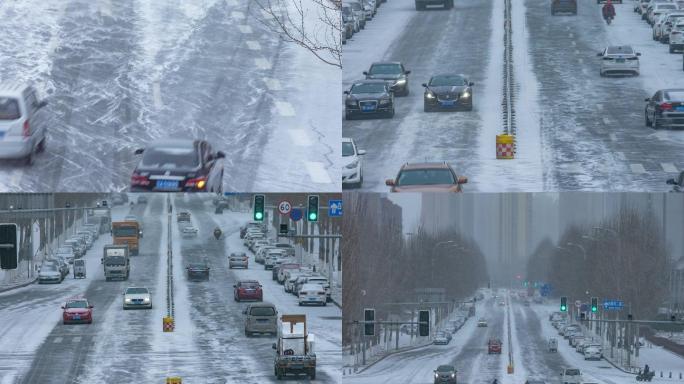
(577, 51)
(606, 121)
(599, 107)
(272, 84)
(669, 167)
(262, 63)
(613, 137)
(299, 137)
(574, 44)
(317, 172)
(637, 168)
(580, 60)
(156, 95)
(245, 28)
(621, 156)
(284, 108)
(76, 339)
(570, 35)
(57, 340)
(237, 15)
(99, 288)
(253, 45)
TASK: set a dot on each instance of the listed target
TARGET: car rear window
(675, 95)
(262, 311)
(9, 109)
(77, 304)
(249, 285)
(620, 50)
(170, 157)
(425, 177)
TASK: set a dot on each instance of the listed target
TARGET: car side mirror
(346, 92)
(647, 99)
(273, 346)
(671, 182)
(365, 73)
(389, 182)
(139, 151)
(471, 84)
(234, 286)
(220, 155)
(424, 85)
(91, 306)
(407, 72)
(638, 53)
(244, 312)
(361, 152)
(62, 307)
(462, 180)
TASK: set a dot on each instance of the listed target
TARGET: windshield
(9, 109)
(425, 177)
(170, 157)
(367, 88)
(125, 232)
(347, 149)
(65, 250)
(262, 311)
(136, 291)
(198, 266)
(48, 268)
(115, 260)
(385, 69)
(77, 304)
(443, 80)
(445, 368)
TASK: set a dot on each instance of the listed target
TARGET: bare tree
(315, 25)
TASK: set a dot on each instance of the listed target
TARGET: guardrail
(170, 308)
(508, 97)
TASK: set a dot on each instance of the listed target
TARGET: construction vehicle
(126, 232)
(294, 349)
(116, 262)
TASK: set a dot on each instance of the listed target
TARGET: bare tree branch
(314, 25)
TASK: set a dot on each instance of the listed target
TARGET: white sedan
(619, 60)
(137, 297)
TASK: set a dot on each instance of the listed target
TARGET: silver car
(50, 273)
(23, 122)
(137, 297)
(261, 318)
(238, 260)
(619, 60)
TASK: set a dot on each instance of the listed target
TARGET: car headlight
(436, 376)
(384, 101)
(401, 82)
(429, 95)
(353, 164)
(453, 375)
(351, 102)
(465, 95)
(128, 300)
(147, 299)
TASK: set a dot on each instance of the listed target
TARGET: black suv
(445, 374)
(564, 6)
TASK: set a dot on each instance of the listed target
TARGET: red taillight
(137, 179)
(666, 106)
(198, 182)
(26, 131)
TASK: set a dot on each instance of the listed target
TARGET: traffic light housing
(594, 304)
(9, 247)
(583, 316)
(259, 205)
(630, 317)
(564, 304)
(283, 230)
(369, 322)
(424, 322)
(312, 208)
(673, 318)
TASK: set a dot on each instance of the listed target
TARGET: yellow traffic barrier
(504, 146)
(174, 380)
(510, 369)
(167, 323)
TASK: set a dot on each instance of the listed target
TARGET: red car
(494, 346)
(77, 311)
(248, 290)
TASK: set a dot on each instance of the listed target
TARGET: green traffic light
(312, 216)
(594, 309)
(563, 308)
(259, 215)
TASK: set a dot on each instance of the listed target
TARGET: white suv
(23, 122)
(676, 39)
(352, 173)
(571, 376)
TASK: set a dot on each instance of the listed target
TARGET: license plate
(619, 60)
(447, 103)
(167, 184)
(680, 108)
(313, 299)
(368, 108)
(296, 366)
(262, 320)
(77, 317)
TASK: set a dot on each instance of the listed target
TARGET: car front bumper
(440, 104)
(137, 304)
(374, 109)
(351, 176)
(49, 280)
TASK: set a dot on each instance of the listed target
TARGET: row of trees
(623, 257)
(381, 267)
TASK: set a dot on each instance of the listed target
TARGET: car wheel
(655, 122)
(391, 113)
(28, 160)
(646, 120)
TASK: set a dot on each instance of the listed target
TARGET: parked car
(440, 339)
(665, 109)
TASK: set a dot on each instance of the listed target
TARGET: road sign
(296, 214)
(284, 207)
(334, 208)
(545, 290)
(613, 304)
(584, 307)
(578, 303)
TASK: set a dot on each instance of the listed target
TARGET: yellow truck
(127, 232)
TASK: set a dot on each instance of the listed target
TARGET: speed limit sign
(284, 207)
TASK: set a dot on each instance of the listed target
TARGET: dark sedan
(368, 98)
(665, 109)
(393, 73)
(198, 271)
(178, 165)
(448, 92)
(445, 374)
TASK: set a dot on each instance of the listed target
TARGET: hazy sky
(410, 206)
